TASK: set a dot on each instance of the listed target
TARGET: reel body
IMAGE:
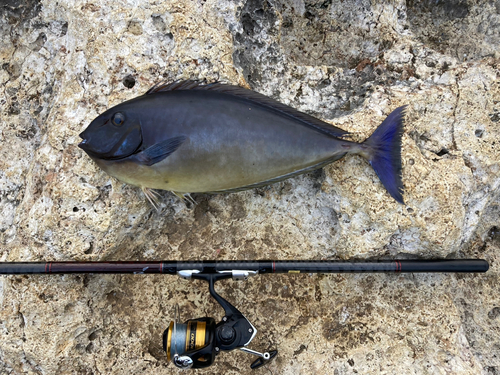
(196, 342)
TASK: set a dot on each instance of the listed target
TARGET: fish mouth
(85, 146)
(84, 143)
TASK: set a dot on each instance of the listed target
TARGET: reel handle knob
(263, 360)
(183, 361)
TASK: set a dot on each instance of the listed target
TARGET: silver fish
(190, 137)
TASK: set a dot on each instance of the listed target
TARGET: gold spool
(169, 339)
(196, 332)
(195, 335)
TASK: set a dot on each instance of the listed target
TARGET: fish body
(192, 138)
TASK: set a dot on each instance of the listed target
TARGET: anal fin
(280, 178)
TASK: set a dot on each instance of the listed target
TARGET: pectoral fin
(159, 151)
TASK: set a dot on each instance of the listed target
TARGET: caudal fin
(385, 153)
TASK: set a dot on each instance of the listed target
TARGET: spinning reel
(196, 342)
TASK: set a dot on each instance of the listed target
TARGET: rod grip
(22, 268)
(444, 265)
(15, 268)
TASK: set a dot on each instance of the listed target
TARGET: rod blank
(261, 266)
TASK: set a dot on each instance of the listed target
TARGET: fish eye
(118, 119)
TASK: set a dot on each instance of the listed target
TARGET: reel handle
(259, 362)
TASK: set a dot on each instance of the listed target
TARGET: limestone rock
(349, 63)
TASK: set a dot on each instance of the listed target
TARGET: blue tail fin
(385, 153)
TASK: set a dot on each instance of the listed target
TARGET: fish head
(115, 134)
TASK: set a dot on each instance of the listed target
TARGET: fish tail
(384, 153)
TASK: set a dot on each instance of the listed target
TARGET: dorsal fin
(252, 96)
(176, 85)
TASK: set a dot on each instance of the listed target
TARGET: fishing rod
(196, 342)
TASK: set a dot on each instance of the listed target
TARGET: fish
(196, 137)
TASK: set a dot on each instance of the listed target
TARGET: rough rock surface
(349, 63)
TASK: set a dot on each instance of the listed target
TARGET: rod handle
(444, 265)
